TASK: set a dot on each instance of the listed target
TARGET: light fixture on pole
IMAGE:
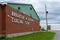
(46, 12)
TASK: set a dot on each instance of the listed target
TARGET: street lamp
(47, 20)
(46, 17)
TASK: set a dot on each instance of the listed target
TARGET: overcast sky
(53, 7)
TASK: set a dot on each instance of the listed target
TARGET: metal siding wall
(17, 28)
(25, 9)
(0, 20)
(3, 20)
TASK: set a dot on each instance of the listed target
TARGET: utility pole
(46, 12)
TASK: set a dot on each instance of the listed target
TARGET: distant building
(18, 18)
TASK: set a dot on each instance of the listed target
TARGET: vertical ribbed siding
(25, 8)
(3, 20)
(0, 19)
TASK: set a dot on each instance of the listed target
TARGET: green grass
(35, 36)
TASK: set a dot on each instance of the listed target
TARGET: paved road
(57, 36)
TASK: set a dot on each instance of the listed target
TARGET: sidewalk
(57, 36)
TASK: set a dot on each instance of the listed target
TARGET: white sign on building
(16, 20)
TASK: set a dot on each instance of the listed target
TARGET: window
(30, 8)
(18, 8)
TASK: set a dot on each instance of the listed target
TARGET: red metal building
(13, 21)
